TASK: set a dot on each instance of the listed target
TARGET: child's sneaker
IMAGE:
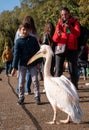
(87, 84)
(44, 90)
(21, 100)
(38, 102)
(27, 93)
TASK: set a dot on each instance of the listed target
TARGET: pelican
(60, 91)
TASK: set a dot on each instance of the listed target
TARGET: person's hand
(13, 72)
(67, 26)
(59, 32)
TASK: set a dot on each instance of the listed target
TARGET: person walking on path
(7, 57)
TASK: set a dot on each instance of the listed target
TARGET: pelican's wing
(67, 85)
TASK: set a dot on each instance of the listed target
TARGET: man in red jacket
(67, 31)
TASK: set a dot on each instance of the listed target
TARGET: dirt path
(31, 116)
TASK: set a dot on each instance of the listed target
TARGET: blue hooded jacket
(24, 49)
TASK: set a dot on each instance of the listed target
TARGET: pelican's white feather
(64, 96)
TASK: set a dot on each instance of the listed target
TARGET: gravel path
(34, 117)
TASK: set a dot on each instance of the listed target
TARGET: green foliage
(42, 11)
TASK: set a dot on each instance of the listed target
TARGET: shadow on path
(35, 122)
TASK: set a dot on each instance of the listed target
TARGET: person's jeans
(8, 67)
(72, 58)
(34, 76)
(59, 61)
(28, 82)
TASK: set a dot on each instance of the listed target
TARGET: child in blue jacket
(26, 46)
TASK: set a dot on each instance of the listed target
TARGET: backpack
(84, 35)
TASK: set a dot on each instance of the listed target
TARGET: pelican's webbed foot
(53, 122)
(66, 121)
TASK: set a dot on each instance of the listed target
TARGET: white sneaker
(87, 84)
(44, 90)
(26, 93)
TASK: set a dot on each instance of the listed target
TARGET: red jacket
(65, 38)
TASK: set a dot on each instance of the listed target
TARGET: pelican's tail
(77, 113)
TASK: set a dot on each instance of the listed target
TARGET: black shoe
(21, 100)
(77, 88)
(0, 79)
(38, 102)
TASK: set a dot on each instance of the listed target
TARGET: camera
(65, 22)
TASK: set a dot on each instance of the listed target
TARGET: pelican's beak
(35, 57)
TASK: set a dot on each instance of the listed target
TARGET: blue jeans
(34, 76)
(82, 70)
(72, 58)
(28, 82)
(8, 67)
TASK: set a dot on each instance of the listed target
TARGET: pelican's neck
(47, 66)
